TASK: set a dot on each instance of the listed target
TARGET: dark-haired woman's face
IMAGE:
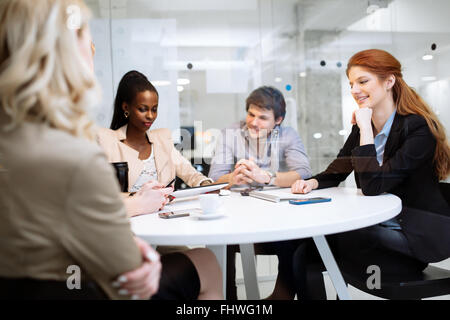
(143, 111)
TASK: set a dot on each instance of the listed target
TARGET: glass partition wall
(206, 56)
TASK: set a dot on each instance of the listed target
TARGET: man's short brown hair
(268, 98)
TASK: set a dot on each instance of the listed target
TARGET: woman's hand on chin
(363, 118)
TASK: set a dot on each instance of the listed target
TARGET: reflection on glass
(212, 54)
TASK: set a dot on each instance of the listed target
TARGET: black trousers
(377, 245)
(36, 289)
(284, 250)
(179, 281)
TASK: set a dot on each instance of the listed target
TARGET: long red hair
(383, 64)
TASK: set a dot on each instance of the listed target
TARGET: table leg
(221, 255)
(249, 268)
(332, 267)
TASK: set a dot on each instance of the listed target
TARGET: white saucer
(219, 213)
(224, 192)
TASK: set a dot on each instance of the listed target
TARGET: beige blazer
(168, 160)
(60, 205)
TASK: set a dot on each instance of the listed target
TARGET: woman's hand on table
(152, 184)
(304, 186)
(142, 282)
(150, 198)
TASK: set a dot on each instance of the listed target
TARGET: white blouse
(147, 174)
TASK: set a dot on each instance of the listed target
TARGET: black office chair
(431, 282)
(445, 190)
(201, 165)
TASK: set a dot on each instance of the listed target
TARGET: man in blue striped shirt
(259, 152)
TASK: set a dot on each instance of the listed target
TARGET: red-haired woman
(397, 145)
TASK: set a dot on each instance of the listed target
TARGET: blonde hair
(43, 77)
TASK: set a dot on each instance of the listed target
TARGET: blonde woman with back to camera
(60, 204)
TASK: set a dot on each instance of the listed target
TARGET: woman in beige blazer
(151, 156)
(63, 226)
(122, 146)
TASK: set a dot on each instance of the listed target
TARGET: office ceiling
(242, 23)
(313, 14)
(229, 29)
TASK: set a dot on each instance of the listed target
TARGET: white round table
(248, 220)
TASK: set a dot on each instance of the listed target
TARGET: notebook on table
(275, 195)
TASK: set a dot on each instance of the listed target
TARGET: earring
(126, 114)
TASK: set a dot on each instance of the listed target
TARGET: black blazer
(408, 172)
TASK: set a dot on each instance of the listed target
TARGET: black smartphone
(309, 200)
(171, 215)
(246, 192)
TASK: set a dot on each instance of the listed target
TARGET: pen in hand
(172, 181)
(168, 185)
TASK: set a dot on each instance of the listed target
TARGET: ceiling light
(278, 79)
(427, 57)
(302, 74)
(183, 82)
(161, 83)
(372, 8)
(374, 5)
(342, 132)
(180, 88)
(317, 135)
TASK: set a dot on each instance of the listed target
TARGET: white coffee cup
(209, 203)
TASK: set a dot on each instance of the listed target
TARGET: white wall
(136, 44)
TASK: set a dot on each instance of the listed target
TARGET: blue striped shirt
(380, 143)
(287, 153)
(381, 138)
